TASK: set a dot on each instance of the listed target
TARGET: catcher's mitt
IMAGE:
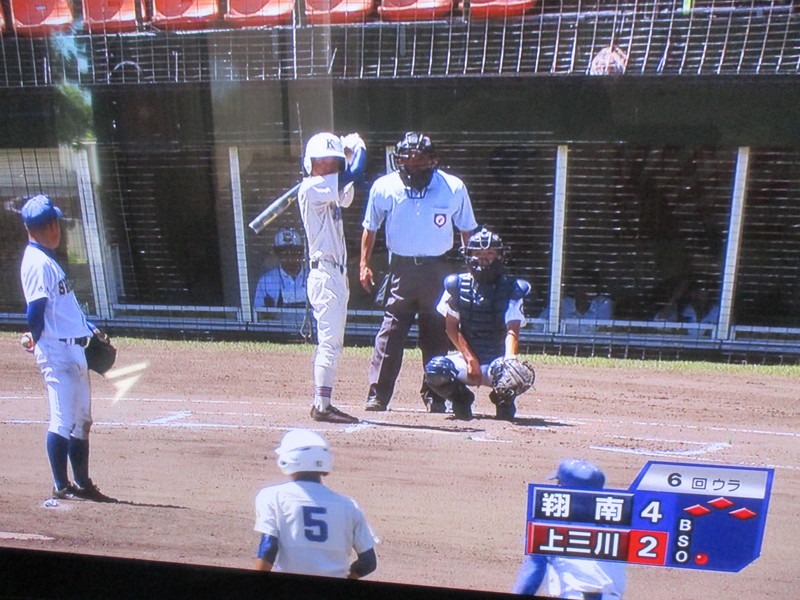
(100, 353)
(511, 377)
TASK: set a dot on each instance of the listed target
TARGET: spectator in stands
(689, 303)
(585, 301)
(284, 285)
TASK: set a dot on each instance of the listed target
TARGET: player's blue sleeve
(268, 548)
(355, 169)
(531, 574)
(36, 317)
(521, 289)
(365, 564)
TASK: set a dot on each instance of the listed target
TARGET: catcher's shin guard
(462, 404)
(505, 407)
(440, 376)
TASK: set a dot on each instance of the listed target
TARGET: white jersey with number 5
(317, 529)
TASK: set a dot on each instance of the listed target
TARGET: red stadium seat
(259, 12)
(498, 9)
(40, 17)
(415, 10)
(109, 15)
(338, 11)
(184, 14)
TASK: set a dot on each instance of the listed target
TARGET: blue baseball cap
(579, 474)
(39, 211)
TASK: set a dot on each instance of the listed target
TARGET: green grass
(536, 359)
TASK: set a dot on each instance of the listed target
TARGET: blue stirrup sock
(79, 457)
(57, 452)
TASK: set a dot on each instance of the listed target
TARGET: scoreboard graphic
(689, 516)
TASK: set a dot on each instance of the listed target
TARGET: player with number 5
(307, 528)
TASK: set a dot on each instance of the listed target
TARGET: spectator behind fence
(284, 285)
(689, 303)
(584, 301)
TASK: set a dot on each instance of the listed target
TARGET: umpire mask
(415, 161)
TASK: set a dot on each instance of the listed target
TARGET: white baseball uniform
(321, 204)
(61, 361)
(317, 529)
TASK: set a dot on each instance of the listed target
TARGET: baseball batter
(305, 527)
(58, 333)
(579, 578)
(483, 314)
(332, 164)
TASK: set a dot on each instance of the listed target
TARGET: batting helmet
(579, 474)
(324, 145)
(483, 269)
(415, 160)
(287, 241)
(302, 450)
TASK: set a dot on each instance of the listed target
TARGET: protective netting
(634, 37)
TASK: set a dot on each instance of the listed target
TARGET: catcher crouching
(483, 312)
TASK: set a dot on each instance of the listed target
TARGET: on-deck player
(306, 527)
(321, 197)
(60, 332)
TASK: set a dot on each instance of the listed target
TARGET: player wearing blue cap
(58, 334)
(579, 578)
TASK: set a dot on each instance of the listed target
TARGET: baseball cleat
(332, 415)
(65, 493)
(375, 405)
(506, 411)
(91, 492)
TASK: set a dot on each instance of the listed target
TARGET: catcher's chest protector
(483, 310)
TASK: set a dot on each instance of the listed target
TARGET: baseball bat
(274, 210)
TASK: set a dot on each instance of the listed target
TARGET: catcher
(483, 315)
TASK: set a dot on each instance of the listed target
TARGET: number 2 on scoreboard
(648, 547)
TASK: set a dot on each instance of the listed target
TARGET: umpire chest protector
(482, 309)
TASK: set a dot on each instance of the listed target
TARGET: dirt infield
(189, 444)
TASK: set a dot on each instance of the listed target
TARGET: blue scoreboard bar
(690, 516)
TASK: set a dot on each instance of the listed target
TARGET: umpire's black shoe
(375, 405)
(91, 492)
(332, 415)
(435, 405)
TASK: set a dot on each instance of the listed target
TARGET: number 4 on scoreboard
(652, 512)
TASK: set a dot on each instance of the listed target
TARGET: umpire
(421, 205)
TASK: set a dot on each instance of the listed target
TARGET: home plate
(8, 535)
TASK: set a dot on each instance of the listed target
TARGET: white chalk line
(10, 535)
(174, 421)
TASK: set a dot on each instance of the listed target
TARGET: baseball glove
(511, 377)
(100, 353)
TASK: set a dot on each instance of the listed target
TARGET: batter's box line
(706, 449)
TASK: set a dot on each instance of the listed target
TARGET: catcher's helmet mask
(287, 243)
(486, 267)
(415, 160)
